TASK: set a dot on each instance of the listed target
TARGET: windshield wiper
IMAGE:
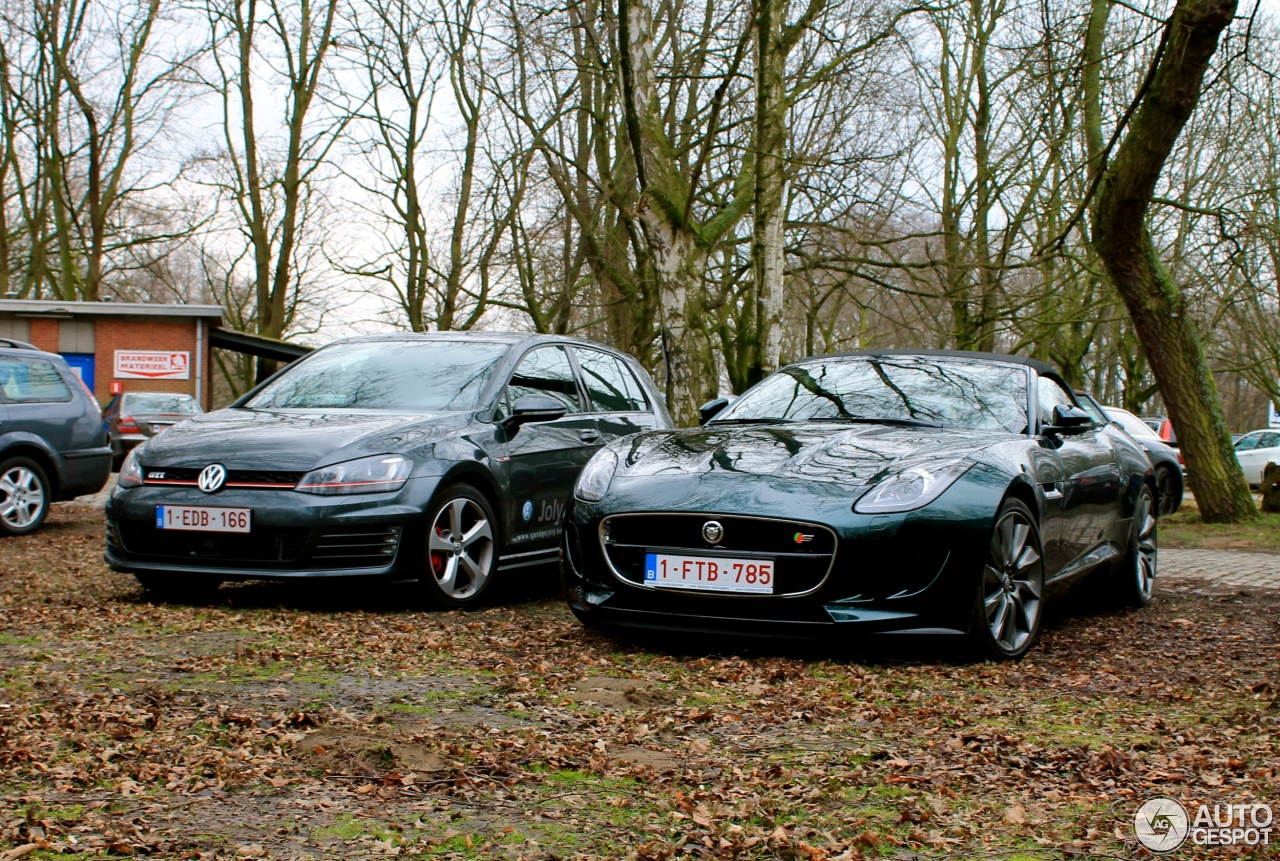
(883, 420)
(763, 420)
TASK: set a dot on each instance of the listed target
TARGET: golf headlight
(593, 483)
(377, 474)
(130, 471)
(910, 489)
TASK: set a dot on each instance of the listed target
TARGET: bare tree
(1126, 185)
(298, 38)
(410, 55)
(87, 99)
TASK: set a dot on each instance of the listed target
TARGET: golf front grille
(250, 479)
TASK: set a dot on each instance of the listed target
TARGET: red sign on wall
(152, 365)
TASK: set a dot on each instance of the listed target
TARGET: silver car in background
(135, 417)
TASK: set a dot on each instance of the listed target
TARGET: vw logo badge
(212, 478)
(712, 532)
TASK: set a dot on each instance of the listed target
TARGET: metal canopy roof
(54, 308)
(257, 345)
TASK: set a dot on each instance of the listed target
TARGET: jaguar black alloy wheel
(1010, 600)
(1134, 579)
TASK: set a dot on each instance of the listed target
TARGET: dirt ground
(347, 722)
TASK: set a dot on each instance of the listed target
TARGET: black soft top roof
(1039, 366)
(477, 335)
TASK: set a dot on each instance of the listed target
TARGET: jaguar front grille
(803, 553)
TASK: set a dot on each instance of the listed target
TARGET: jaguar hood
(813, 451)
(292, 439)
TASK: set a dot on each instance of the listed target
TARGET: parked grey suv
(52, 442)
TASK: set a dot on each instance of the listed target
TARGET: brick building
(138, 346)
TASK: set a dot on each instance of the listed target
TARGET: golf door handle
(589, 435)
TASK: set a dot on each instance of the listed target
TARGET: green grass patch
(345, 827)
(1185, 529)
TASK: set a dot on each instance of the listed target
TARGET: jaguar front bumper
(913, 572)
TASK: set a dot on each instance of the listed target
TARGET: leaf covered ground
(346, 722)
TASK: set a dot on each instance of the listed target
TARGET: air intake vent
(357, 548)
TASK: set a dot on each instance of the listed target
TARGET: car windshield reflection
(901, 391)
(158, 402)
(414, 376)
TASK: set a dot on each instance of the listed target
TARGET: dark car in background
(940, 492)
(1163, 428)
(135, 417)
(1166, 461)
(52, 443)
(444, 458)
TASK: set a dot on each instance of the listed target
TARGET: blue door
(82, 365)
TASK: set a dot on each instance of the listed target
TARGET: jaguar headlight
(594, 481)
(910, 489)
(377, 474)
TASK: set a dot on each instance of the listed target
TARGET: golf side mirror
(534, 408)
(711, 409)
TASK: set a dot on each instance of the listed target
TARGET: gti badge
(712, 532)
(212, 477)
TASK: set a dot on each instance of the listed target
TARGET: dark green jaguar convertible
(928, 491)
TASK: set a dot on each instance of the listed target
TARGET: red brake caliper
(437, 558)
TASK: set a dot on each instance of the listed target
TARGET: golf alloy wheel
(461, 548)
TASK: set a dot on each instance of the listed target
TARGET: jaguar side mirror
(534, 408)
(711, 409)
(1069, 420)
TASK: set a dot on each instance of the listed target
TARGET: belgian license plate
(202, 518)
(709, 573)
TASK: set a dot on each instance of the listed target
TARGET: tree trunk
(1271, 488)
(678, 265)
(677, 244)
(1156, 305)
(770, 133)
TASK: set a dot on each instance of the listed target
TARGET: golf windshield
(414, 376)
(907, 390)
